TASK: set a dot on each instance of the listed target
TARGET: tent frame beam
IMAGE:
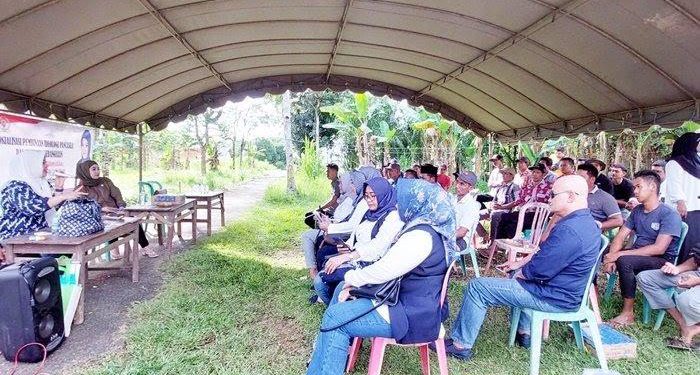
(338, 37)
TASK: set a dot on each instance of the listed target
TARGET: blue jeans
(484, 292)
(323, 290)
(331, 351)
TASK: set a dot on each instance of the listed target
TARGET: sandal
(619, 325)
(149, 252)
(677, 343)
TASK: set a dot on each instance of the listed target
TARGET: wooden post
(140, 129)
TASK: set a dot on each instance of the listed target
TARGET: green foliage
(310, 161)
(270, 150)
(305, 106)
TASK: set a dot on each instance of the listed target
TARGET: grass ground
(236, 304)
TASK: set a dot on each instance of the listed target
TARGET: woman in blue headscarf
(369, 241)
(420, 257)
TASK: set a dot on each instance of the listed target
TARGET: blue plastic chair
(469, 250)
(575, 317)
(646, 312)
(612, 279)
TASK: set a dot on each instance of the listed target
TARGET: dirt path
(111, 294)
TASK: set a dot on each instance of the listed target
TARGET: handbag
(79, 217)
(384, 294)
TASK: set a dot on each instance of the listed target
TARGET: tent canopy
(516, 68)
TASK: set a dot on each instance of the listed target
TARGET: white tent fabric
(516, 68)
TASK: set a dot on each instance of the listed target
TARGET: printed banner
(65, 144)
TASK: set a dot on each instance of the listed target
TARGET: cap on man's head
(468, 177)
(429, 169)
(599, 162)
(496, 157)
(539, 166)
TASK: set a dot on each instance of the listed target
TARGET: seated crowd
(412, 225)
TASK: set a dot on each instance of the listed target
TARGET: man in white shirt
(467, 208)
(495, 177)
(523, 176)
(659, 167)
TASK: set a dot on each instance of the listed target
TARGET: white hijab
(29, 168)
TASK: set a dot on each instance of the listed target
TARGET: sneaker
(522, 340)
(452, 351)
(313, 299)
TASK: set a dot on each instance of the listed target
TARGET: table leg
(194, 225)
(135, 254)
(179, 230)
(159, 229)
(221, 202)
(82, 280)
(209, 219)
(170, 237)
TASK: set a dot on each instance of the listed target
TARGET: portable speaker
(30, 295)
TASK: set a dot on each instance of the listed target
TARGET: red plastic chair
(376, 356)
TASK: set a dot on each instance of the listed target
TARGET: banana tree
(386, 138)
(352, 119)
(439, 141)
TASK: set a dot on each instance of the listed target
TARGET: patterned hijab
(346, 188)
(386, 198)
(420, 202)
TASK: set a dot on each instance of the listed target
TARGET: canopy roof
(517, 68)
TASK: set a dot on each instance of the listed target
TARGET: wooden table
(168, 216)
(124, 231)
(209, 201)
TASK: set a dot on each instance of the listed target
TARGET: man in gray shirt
(603, 206)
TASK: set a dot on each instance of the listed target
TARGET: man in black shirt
(602, 181)
(623, 189)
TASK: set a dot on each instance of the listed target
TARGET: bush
(311, 165)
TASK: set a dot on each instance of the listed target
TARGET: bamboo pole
(140, 128)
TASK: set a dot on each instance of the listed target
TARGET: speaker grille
(42, 291)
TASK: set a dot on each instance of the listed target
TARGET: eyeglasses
(563, 192)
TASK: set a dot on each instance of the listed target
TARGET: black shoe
(522, 340)
(452, 351)
(313, 299)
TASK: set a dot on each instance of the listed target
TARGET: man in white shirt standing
(659, 167)
(467, 208)
(495, 177)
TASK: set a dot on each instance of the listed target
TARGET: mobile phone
(339, 242)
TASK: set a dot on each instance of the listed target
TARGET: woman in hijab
(369, 241)
(420, 257)
(350, 184)
(683, 186)
(108, 196)
(27, 200)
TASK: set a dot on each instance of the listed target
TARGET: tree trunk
(317, 124)
(286, 111)
(479, 145)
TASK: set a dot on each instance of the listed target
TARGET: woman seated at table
(108, 196)
(420, 255)
(370, 240)
(27, 200)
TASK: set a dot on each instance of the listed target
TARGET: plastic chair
(146, 191)
(575, 317)
(376, 356)
(469, 250)
(612, 278)
(646, 312)
(539, 221)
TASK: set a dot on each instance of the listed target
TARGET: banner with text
(65, 144)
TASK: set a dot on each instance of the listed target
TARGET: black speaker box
(31, 309)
